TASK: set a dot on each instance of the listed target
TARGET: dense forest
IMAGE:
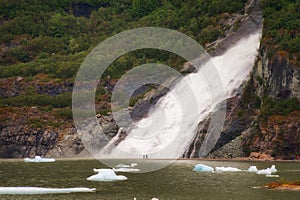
(47, 41)
(281, 27)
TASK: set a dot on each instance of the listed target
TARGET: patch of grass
(64, 112)
(35, 123)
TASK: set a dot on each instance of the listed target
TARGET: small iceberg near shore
(122, 166)
(40, 190)
(126, 168)
(273, 169)
(252, 169)
(227, 169)
(264, 172)
(203, 168)
(106, 175)
(272, 176)
(39, 159)
(267, 171)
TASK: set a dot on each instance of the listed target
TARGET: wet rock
(26, 144)
(187, 68)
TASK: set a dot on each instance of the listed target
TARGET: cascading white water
(167, 131)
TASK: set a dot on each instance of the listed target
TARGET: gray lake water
(177, 181)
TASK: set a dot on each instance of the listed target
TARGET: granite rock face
(26, 142)
(279, 137)
(281, 78)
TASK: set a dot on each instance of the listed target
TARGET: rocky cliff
(276, 82)
(265, 117)
(270, 107)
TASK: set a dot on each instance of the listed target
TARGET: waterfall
(167, 130)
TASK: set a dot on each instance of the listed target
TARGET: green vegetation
(281, 107)
(59, 101)
(280, 36)
(35, 30)
(281, 27)
(53, 38)
(35, 123)
(64, 112)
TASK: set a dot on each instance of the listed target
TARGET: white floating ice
(133, 164)
(264, 171)
(272, 176)
(203, 168)
(227, 169)
(273, 169)
(122, 166)
(125, 169)
(267, 171)
(40, 190)
(106, 175)
(39, 159)
(252, 169)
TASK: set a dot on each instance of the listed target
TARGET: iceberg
(39, 159)
(106, 175)
(126, 166)
(133, 164)
(252, 169)
(264, 171)
(272, 175)
(122, 166)
(125, 169)
(227, 169)
(267, 171)
(203, 168)
(40, 190)
(273, 169)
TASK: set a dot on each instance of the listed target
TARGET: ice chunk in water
(264, 171)
(227, 169)
(267, 171)
(272, 176)
(203, 168)
(106, 175)
(133, 164)
(39, 159)
(39, 190)
(252, 169)
(122, 166)
(273, 169)
(125, 169)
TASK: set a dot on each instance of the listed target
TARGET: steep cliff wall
(20, 137)
(277, 127)
(266, 116)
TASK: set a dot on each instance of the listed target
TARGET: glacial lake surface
(176, 181)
